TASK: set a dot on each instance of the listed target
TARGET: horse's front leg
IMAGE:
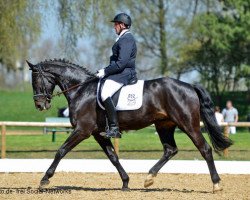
(74, 139)
(108, 148)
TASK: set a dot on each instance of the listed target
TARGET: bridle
(45, 94)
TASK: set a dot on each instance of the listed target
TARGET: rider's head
(121, 21)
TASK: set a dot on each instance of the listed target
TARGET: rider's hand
(100, 73)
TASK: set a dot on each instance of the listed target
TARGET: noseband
(45, 94)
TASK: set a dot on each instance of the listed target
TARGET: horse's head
(43, 84)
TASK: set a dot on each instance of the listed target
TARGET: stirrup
(112, 132)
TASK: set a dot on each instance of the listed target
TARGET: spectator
(230, 114)
(219, 117)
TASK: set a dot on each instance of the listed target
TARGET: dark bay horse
(167, 103)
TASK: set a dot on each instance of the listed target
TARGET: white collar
(123, 32)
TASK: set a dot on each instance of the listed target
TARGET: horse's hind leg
(206, 152)
(170, 149)
(108, 148)
(74, 139)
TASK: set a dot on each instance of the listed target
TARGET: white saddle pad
(130, 97)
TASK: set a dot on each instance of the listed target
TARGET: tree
(79, 18)
(220, 41)
(149, 24)
(153, 26)
(20, 27)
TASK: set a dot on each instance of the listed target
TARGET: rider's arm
(125, 50)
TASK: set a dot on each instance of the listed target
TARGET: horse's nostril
(38, 106)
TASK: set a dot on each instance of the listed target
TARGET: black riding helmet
(124, 18)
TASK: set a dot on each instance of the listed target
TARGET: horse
(167, 103)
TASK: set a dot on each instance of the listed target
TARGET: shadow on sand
(91, 189)
(129, 190)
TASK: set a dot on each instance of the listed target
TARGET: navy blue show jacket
(122, 62)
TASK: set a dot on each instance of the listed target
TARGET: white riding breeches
(110, 87)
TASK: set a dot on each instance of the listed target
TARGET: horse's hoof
(217, 188)
(125, 189)
(149, 181)
(44, 183)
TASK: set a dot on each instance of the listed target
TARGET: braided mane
(64, 61)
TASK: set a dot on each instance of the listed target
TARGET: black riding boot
(113, 131)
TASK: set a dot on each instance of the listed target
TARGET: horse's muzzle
(42, 105)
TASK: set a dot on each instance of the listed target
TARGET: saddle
(129, 97)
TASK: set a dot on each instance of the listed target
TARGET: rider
(120, 71)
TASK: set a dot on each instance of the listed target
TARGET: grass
(142, 144)
(19, 106)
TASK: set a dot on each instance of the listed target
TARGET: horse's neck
(69, 79)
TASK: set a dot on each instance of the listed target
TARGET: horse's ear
(30, 65)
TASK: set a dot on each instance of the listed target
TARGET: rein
(73, 87)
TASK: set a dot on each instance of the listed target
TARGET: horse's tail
(219, 141)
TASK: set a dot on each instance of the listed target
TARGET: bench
(54, 130)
